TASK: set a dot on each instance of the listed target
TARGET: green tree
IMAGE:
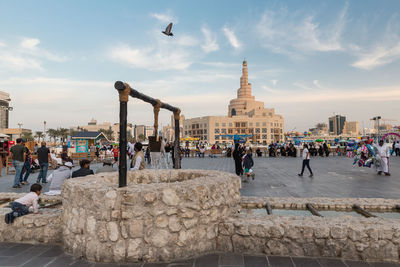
(72, 132)
(141, 137)
(63, 133)
(38, 135)
(108, 133)
(53, 133)
(27, 136)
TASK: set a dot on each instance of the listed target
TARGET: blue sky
(307, 59)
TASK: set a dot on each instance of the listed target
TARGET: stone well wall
(159, 216)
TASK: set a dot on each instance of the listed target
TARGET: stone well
(161, 215)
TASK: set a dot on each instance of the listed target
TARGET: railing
(125, 91)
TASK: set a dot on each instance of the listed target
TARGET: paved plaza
(334, 177)
(277, 177)
(27, 255)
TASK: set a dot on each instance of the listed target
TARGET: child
(20, 206)
(248, 164)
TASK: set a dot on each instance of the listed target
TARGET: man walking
(18, 156)
(382, 154)
(27, 166)
(44, 158)
(306, 161)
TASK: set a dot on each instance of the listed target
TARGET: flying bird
(168, 30)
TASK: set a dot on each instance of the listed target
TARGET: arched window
(233, 112)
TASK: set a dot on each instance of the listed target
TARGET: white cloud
(30, 43)
(164, 17)
(379, 56)
(186, 40)
(210, 43)
(274, 82)
(230, 35)
(282, 33)
(2, 44)
(16, 62)
(151, 58)
(28, 55)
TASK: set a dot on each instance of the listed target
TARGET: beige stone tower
(244, 102)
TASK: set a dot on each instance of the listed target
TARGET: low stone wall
(343, 237)
(323, 203)
(32, 228)
(159, 216)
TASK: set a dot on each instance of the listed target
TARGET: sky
(307, 59)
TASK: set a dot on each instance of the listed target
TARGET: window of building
(230, 131)
(217, 137)
(264, 136)
(217, 130)
(185, 132)
(257, 124)
(264, 130)
(230, 124)
(257, 130)
(250, 124)
(272, 130)
(223, 124)
(243, 124)
(264, 123)
(216, 124)
(272, 125)
(223, 131)
(205, 131)
(243, 131)
(272, 137)
(251, 130)
(237, 124)
(281, 130)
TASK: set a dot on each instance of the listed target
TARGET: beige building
(246, 116)
(4, 109)
(351, 128)
(94, 127)
(143, 130)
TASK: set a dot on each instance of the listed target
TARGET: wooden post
(123, 113)
(177, 150)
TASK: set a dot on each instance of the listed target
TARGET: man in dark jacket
(84, 170)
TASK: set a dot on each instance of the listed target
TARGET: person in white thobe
(382, 154)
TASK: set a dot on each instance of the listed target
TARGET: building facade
(351, 128)
(336, 124)
(93, 126)
(246, 116)
(4, 109)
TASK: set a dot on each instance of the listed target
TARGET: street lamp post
(376, 119)
(20, 130)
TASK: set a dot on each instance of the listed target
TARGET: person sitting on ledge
(84, 170)
(138, 162)
(58, 177)
(20, 206)
(107, 166)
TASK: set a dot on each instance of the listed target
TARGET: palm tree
(53, 133)
(39, 134)
(72, 132)
(63, 133)
(27, 136)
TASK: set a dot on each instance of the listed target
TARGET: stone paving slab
(45, 255)
(277, 177)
